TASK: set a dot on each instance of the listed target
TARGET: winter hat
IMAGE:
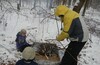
(23, 31)
(28, 53)
(61, 10)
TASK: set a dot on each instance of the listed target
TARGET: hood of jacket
(61, 10)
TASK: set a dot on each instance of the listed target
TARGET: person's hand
(57, 38)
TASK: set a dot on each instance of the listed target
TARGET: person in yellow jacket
(74, 29)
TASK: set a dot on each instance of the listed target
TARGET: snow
(40, 30)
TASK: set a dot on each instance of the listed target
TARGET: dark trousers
(23, 47)
(71, 53)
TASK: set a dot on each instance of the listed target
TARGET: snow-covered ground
(39, 30)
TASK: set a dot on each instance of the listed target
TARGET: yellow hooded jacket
(69, 15)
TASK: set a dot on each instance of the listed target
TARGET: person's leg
(67, 58)
(77, 47)
(23, 47)
(70, 56)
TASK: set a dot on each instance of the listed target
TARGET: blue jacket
(21, 41)
(22, 62)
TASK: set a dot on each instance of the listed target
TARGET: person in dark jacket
(74, 29)
(28, 55)
(21, 40)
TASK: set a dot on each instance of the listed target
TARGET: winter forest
(37, 17)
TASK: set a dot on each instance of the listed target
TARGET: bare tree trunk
(34, 3)
(64, 2)
(69, 3)
(58, 2)
(61, 2)
(18, 5)
(74, 1)
(85, 6)
(90, 2)
(1, 4)
(79, 6)
(47, 3)
(20, 2)
(51, 4)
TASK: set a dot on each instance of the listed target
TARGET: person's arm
(64, 34)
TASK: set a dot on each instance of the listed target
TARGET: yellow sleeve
(62, 36)
(67, 24)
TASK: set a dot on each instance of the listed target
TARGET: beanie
(28, 53)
